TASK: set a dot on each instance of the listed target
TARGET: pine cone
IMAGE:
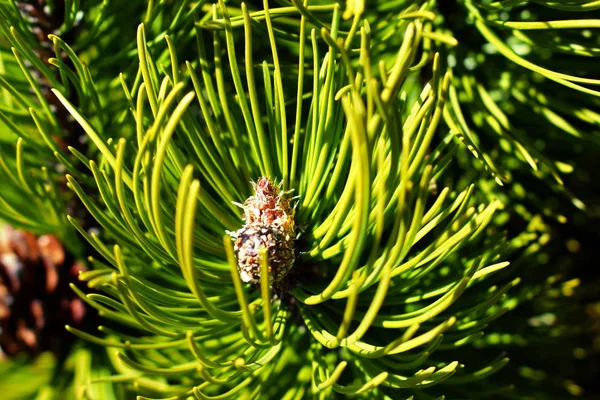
(35, 298)
(280, 250)
(269, 223)
(43, 21)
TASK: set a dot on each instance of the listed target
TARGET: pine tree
(303, 199)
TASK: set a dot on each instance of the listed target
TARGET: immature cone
(269, 225)
(36, 301)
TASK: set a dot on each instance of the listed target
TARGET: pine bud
(269, 224)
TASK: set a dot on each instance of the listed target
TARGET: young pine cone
(269, 224)
(36, 301)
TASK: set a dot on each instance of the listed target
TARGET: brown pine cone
(43, 20)
(279, 247)
(269, 223)
(36, 301)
